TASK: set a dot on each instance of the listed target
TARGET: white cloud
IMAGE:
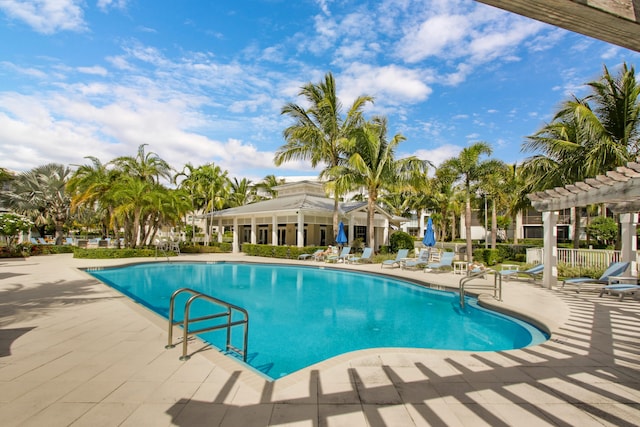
(433, 37)
(389, 84)
(47, 16)
(105, 5)
(438, 155)
(95, 70)
(30, 72)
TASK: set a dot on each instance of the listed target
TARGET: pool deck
(75, 352)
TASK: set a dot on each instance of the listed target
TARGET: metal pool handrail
(497, 284)
(230, 308)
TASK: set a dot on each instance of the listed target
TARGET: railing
(187, 321)
(497, 284)
(589, 258)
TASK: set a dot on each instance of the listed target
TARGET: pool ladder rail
(496, 287)
(188, 321)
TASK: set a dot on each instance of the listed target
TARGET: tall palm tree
(241, 192)
(40, 194)
(587, 136)
(266, 186)
(89, 186)
(469, 169)
(494, 185)
(319, 133)
(372, 165)
(145, 166)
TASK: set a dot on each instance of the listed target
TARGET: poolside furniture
(415, 263)
(367, 253)
(402, 254)
(622, 289)
(446, 260)
(343, 256)
(34, 241)
(313, 255)
(513, 273)
(615, 269)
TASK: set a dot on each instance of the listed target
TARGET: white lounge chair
(367, 253)
(402, 254)
(313, 255)
(615, 269)
(421, 261)
(446, 260)
(344, 255)
(533, 272)
(621, 289)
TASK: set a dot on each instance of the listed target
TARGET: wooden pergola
(613, 21)
(618, 189)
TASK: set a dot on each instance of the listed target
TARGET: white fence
(595, 258)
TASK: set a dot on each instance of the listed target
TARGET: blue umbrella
(342, 236)
(429, 236)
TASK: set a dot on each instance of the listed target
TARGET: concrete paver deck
(75, 352)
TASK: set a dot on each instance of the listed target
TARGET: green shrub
(47, 249)
(212, 249)
(112, 253)
(487, 256)
(401, 240)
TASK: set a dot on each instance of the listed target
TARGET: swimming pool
(301, 315)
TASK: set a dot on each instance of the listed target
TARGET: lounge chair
(402, 254)
(367, 253)
(533, 272)
(446, 260)
(615, 269)
(421, 261)
(34, 241)
(622, 289)
(313, 255)
(344, 255)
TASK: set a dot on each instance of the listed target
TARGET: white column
(421, 225)
(300, 236)
(550, 273)
(518, 232)
(236, 246)
(628, 223)
(274, 230)
(385, 233)
(220, 230)
(351, 230)
(254, 238)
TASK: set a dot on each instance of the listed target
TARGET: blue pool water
(303, 315)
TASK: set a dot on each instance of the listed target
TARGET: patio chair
(621, 289)
(367, 253)
(446, 260)
(402, 254)
(415, 263)
(341, 257)
(314, 255)
(533, 272)
(615, 269)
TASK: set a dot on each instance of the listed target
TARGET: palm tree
(319, 133)
(144, 166)
(468, 168)
(494, 185)
(242, 192)
(89, 186)
(266, 186)
(40, 194)
(372, 165)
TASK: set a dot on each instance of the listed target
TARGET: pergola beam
(614, 21)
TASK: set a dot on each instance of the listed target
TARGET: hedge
(286, 252)
(111, 253)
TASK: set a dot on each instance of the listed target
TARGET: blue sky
(204, 81)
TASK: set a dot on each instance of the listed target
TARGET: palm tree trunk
(335, 217)
(467, 227)
(494, 224)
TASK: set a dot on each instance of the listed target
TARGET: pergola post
(236, 246)
(550, 273)
(274, 230)
(254, 233)
(300, 236)
(628, 223)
